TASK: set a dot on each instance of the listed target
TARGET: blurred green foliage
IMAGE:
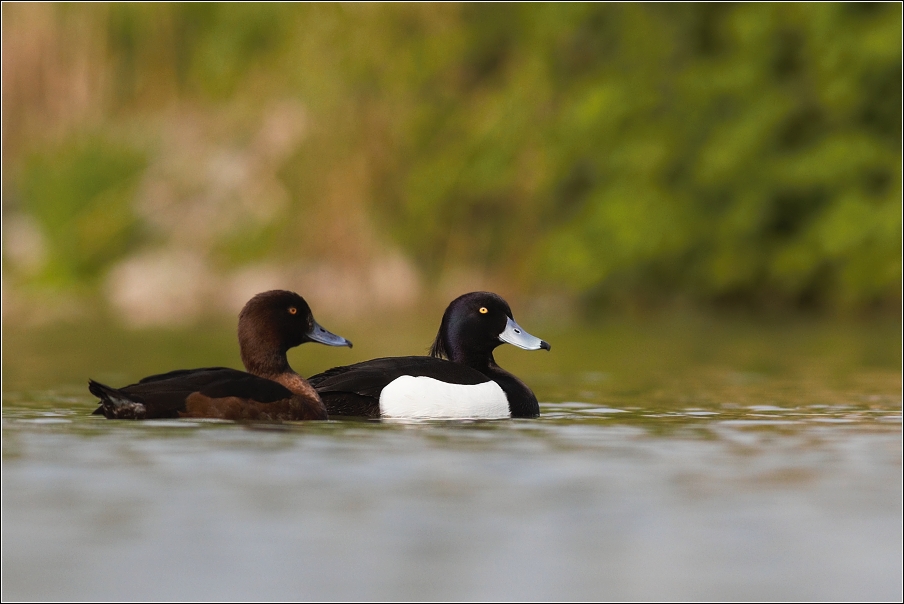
(743, 151)
(81, 193)
(729, 153)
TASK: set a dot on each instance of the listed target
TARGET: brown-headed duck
(269, 325)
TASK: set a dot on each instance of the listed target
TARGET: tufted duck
(460, 379)
(269, 325)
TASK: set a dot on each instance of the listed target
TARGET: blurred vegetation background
(170, 160)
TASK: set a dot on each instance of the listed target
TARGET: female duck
(468, 385)
(269, 325)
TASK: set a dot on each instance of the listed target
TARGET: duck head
(475, 324)
(273, 322)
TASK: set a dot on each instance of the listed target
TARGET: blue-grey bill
(319, 334)
(513, 334)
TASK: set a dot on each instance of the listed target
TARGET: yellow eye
(483, 310)
(292, 310)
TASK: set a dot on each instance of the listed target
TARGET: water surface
(675, 459)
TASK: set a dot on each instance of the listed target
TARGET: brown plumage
(269, 325)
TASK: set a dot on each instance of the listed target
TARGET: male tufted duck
(269, 325)
(468, 385)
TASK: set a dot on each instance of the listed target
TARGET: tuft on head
(438, 349)
(455, 313)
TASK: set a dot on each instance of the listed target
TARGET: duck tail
(115, 404)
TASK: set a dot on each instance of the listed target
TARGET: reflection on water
(761, 465)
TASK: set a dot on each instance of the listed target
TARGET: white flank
(427, 398)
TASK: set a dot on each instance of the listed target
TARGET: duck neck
(267, 366)
(480, 359)
(271, 363)
(263, 354)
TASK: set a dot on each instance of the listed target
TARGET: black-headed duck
(460, 379)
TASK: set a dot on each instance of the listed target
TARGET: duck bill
(513, 334)
(319, 334)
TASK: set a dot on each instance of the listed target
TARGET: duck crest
(439, 349)
(448, 346)
(460, 339)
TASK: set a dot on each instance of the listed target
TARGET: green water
(676, 458)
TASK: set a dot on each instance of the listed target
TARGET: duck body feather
(210, 392)
(355, 390)
(459, 380)
(269, 325)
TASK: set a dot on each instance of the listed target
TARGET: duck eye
(483, 310)
(292, 310)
